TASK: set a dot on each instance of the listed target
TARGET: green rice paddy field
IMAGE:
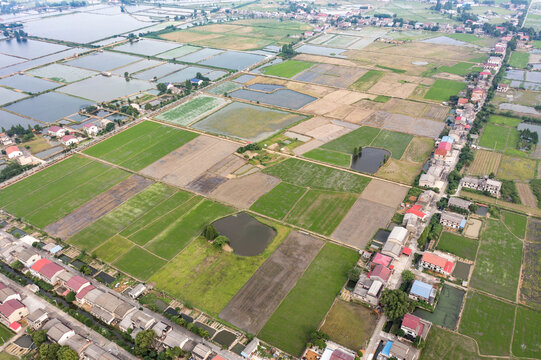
(305, 306)
(442, 89)
(58, 190)
(461, 246)
(188, 112)
(140, 145)
(287, 69)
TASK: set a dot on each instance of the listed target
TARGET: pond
(225, 338)
(48, 107)
(199, 55)
(40, 61)
(62, 73)
(146, 47)
(184, 74)
(370, 160)
(28, 84)
(29, 49)
(7, 96)
(103, 88)
(136, 66)
(247, 236)
(159, 71)
(103, 61)
(462, 270)
(233, 60)
(321, 50)
(265, 87)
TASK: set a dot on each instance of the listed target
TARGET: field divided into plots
(140, 145)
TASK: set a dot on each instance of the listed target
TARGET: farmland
(519, 60)
(279, 200)
(188, 112)
(494, 137)
(302, 173)
(58, 192)
(530, 290)
(485, 162)
(512, 168)
(498, 263)
(208, 277)
(447, 310)
(459, 245)
(321, 211)
(490, 322)
(441, 90)
(287, 69)
(139, 263)
(140, 145)
(306, 304)
(526, 338)
(349, 324)
(442, 344)
(367, 80)
(516, 223)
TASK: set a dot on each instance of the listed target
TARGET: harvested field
(533, 232)
(206, 183)
(512, 168)
(400, 171)
(484, 163)
(350, 324)
(362, 221)
(305, 306)
(530, 291)
(331, 75)
(253, 305)
(322, 128)
(404, 123)
(242, 192)
(418, 150)
(384, 193)
(320, 211)
(187, 163)
(395, 89)
(97, 207)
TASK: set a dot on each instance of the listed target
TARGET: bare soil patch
(472, 228)
(394, 89)
(191, 160)
(485, 162)
(384, 193)
(97, 207)
(244, 191)
(310, 145)
(331, 75)
(321, 128)
(361, 222)
(526, 195)
(206, 183)
(325, 60)
(253, 305)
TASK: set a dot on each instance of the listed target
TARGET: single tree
(408, 276)
(70, 297)
(39, 337)
(143, 342)
(66, 353)
(210, 232)
(396, 303)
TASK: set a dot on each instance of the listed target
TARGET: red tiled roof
(380, 271)
(441, 152)
(10, 306)
(416, 210)
(54, 128)
(413, 322)
(67, 137)
(406, 251)
(434, 259)
(462, 101)
(340, 355)
(445, 145)
(448, 267)
(15, 326)
(382, 259)
(38, 265)
(81, 294)
(11, 149)
(76, 282)
(458, 118)
(49, 270)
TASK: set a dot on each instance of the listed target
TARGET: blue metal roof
(421, 289)
(447, 139)
(463, 223)
(56, 249)
(387, 349)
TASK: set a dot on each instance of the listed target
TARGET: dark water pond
(265, 87)
(225, 338)
(370, 160)
(247, 236)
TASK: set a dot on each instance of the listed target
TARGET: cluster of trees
(318, 339)
(211, 234)
(129, 110)
(13, 169)
(536, 189)
(431, 232)
(249, 147)
(527, 139)
(287, 51)
(509, 191)
(24, 133)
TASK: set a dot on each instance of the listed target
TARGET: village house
(437, 263)
(502, 88)
(380, 273)
(77, 343)
(91, 129)
(175, 338)
(396, 349)
(13, 310)
(421, 291)
(13, 152)
(137, 320)
(94, 352)
(201, 352)
(137, 291)
(28, 257)
(109, 307)
(77, 283)
(250, 348)
(37, 318)
(459, 203)
(80, 297)
(452, 220)
(46, 270)
(482, 184)
(5, 139)
(477, 94)
(432, 176)
(69, 140)
(396, 240)
(58, 332)
(369, 290)
(56, 131)
(414, 326)
(7, 294)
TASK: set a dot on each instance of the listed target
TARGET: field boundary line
(476, 344)
(118, 232)
(176, 222)
(306, 190)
